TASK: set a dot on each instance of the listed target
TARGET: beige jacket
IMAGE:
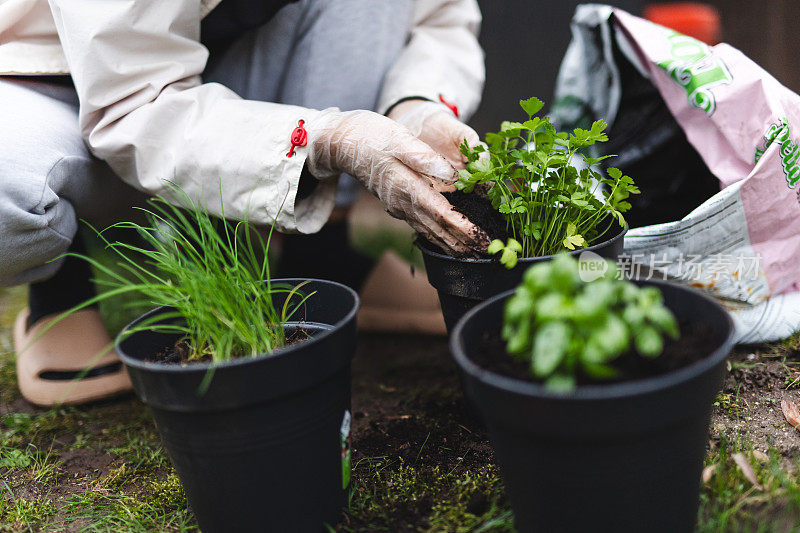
(137, 67)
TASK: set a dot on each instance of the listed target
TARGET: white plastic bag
(742, 245)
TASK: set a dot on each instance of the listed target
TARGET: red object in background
(694, 19)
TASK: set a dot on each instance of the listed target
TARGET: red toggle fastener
(299, 137)
(452, 107)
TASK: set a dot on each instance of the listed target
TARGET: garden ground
(421, 462)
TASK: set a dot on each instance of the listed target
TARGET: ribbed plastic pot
(624, 457)
(266, 447)
(462, 283)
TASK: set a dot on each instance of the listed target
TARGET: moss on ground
(425, 498)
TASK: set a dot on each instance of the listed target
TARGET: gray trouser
(313, 53)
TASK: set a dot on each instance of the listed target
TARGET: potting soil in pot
(478, 209)
(181, 352)
(695, 342)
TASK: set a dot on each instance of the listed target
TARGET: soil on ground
(748, 409)
(409, 410)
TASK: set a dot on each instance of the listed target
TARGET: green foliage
(457, 500)
(213, 275)
(562, 326)
(19, 514)
(550, 204)
(14, 458)
(508, 251)
(729, 502)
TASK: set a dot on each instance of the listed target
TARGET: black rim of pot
(284, 351)
(426, 248)
(591, 392)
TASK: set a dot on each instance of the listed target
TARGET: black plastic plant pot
(463, 283)
(621, 457)
(266, 447)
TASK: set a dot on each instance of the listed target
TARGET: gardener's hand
(404, 172)
(437, 126)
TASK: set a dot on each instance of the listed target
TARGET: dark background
(524, 41)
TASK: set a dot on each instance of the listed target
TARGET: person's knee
(37, 228)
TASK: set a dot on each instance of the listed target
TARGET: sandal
(73, 362)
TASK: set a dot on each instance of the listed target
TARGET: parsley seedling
(550, 205)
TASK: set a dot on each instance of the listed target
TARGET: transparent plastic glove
(406, 174)
(435, 125)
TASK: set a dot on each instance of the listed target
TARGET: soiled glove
(406, 174)
(435, 125)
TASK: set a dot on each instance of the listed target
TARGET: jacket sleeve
(442, 59)
(136, 65)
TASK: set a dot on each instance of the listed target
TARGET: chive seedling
(550, 205)
(211, 275)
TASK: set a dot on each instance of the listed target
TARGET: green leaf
(13, 458)
(591, 161)
(495, 194)
(509, 126)
(537, 276)
(517, 205)
(648, 342)
(519, 306)
(494, 140)
(550, 344)
(574, 241)
(481, 165)
(600, 371)
(514, 245)
(552, 306)
(519, 338)
(664, 319)
(495, 246)
(598, 126)
(463, 185)
(564, 274)
(560, 383)
(588, 307)
(533, 124)
(531, 106)
(509, 258)
(634, 316)
(611, 336)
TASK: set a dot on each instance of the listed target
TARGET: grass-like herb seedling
(550, 205)
(214, 276)
(564, 327)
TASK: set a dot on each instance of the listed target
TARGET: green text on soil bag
(693, 65)
(344, 435)
(790, 150)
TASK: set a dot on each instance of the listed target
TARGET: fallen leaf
(708, 472)
(747, 469)
(761, 456)
(791, 413)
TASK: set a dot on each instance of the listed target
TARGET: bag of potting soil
(712, 141)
